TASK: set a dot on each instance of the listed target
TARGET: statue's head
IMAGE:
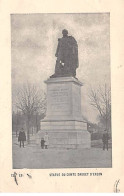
(64, 32)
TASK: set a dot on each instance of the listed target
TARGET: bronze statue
(67, 56)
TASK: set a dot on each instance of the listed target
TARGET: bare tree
(30, 100)
(101, 100)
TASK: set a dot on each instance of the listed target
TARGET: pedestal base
(63, 122)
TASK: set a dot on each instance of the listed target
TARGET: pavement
(33, 157)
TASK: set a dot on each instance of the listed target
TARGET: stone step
(67, 146)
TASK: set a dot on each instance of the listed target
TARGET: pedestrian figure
(42, 143)
(105, 140)
(46, 138)
(22, 137)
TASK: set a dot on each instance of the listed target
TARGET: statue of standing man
(67, 56)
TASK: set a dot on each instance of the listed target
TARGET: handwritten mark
(20, 175)
(29, 176)
(15, 174)
(116, 190)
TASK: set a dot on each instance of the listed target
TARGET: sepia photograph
(61, 90)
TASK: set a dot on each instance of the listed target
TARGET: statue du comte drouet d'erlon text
(67, 56)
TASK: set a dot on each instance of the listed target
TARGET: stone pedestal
(63, 122)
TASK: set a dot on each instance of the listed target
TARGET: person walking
(22, 137)
(105, 139)
(46, 138)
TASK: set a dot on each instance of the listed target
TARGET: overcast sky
(34, 42)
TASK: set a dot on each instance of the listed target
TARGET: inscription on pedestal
(59, 99)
